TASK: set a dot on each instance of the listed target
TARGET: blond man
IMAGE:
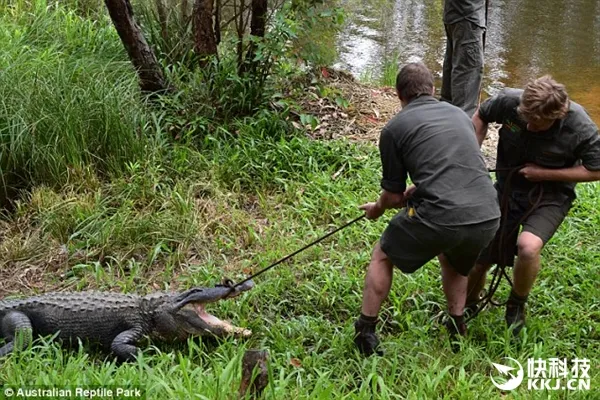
(547, 144)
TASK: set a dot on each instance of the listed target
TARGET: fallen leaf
(338, 172)
(295, 362)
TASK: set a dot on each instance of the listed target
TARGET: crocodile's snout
(244, 287)
(194, 319)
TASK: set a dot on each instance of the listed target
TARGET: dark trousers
(463, 65)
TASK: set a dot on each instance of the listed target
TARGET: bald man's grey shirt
(434, 143)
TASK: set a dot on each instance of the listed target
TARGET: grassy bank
(113, 203)
(150, 231)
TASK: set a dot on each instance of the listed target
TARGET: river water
(525, 39)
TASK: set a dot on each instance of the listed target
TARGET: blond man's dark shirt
(571, 141)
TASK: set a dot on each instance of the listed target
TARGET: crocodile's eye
(183, 296)
(228, 282)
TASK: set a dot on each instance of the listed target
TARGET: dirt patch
(488, 148)
(29, 261)
(364, 112)
(33, 261)
(353, 110)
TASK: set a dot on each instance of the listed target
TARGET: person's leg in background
(446, 90)
(467, 65)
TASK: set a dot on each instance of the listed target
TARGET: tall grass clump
(69, 98)
(264, 154)
(389, 70)
(167, 25)
(383, 74)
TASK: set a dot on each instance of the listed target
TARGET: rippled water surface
(525, 39)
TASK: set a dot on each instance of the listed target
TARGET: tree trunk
(204, 33)
(259, 18)
(258, 24)
(241, 27)
(162, 19)
(218, 21)
(141, 55)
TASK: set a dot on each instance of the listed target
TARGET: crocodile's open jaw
(209, 322)
(191, 316)
(216, 322)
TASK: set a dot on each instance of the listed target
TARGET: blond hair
(544, 99)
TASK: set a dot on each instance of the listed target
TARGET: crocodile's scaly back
(93, 315)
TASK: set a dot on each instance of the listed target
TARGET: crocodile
(117, 321)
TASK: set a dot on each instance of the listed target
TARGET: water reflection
(525, 39)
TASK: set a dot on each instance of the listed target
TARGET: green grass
(384, 74)
(150, 230)
(69, 98)
(113, 204)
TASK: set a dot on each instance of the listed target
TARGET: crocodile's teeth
(244, 332)
(221, 324)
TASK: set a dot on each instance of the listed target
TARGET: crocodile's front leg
(7, 348)
(15, 326)
(123, 344)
